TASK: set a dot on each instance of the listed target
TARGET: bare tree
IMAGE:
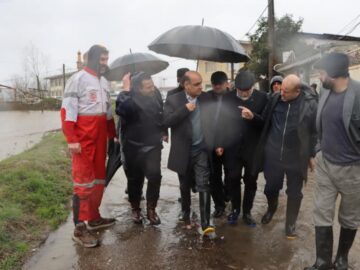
(35, 64)
(31, 82)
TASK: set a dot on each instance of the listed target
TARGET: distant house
(300, 61)
(7, 95)
(206, 68)
(56, 82)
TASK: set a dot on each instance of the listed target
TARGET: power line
(254, 24)
(353, 20)
(352, 29)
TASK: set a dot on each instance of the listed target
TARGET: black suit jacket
(177, 117)
(175, 91)
(245, 134)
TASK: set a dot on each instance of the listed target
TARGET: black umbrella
(133, 62)
(114, 161)
(199, 43)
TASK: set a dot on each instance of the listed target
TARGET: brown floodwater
(170, 246)
(22, 129)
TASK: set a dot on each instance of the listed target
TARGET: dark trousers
(219, 189)
(244, 164)
(274, 173)
(139, 165)
(198, 171)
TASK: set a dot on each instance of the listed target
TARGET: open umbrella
(133, 62)
(199, 43)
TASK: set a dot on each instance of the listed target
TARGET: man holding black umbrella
(140, 111)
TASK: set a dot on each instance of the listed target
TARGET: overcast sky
(59, 28)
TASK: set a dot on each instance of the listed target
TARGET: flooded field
(22, 129)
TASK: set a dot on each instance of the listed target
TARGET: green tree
(285, 28)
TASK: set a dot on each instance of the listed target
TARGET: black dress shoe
(218, 212)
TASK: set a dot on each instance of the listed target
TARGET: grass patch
(35, 188)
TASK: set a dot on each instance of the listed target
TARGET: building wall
(206, 68)
(355, 72)
(56, 86)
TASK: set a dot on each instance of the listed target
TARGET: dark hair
(218, 77)
(138, 78)
(181, 72)
(335, 64)
(185, 78)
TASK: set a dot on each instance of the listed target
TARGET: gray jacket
(351, 112)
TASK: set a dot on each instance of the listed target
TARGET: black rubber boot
(324, 248)
(205, 201)
(346, 240)
(272, 207)
(76, 209)
(185, 199)
(292, 212)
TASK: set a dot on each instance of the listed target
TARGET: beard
(328, 84)
(103, 70)
(244, 98)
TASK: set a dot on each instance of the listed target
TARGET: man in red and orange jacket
(87, 122)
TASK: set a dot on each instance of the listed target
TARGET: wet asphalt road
(170, 246)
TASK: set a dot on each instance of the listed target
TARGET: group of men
(240, 132)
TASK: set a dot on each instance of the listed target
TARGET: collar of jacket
(90, 71)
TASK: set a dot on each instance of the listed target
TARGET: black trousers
(139, 165)
(219, 189)
(243, 171)
(198, 171)
(274, 173)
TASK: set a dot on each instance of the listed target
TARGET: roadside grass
(35, 191)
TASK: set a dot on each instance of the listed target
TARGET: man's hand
(126, 81)
(246, 113)
(116, 140)
(165, 138)
(74, 148)
(190, 106)
(312, 164)
(219, 151)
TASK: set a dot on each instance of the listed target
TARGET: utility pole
(232, 72)
(40, 93)
(271, 38)
(64, 78)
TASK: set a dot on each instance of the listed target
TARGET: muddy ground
(170, 246)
